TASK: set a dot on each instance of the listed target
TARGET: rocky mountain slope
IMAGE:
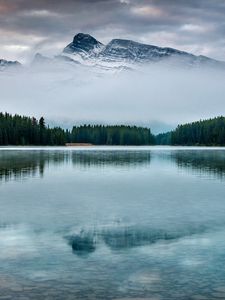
(121, 53)
(118, 54)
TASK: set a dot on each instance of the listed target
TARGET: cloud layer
(156, 97)
(29, 26)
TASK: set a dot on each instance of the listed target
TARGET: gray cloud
(48, 25)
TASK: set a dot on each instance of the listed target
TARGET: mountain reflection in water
(112, 223)
(125, 237)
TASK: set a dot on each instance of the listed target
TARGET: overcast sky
(46, 26)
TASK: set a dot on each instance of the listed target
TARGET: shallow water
(112, 223)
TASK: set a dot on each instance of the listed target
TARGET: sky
(47, 26)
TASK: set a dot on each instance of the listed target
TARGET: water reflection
(18, 165)
(86, 230)
(83, 244)
(126, 237)
(114, 158)
(202, 162)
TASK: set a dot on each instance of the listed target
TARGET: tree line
(112, 135)
(210, 132)
(22, 130)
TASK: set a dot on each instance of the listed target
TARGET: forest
(209, 132)
(112, 135)
(22, 130)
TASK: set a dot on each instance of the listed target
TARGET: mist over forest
(157, 96)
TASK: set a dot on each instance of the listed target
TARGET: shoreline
(110, 148)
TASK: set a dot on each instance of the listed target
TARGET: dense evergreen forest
(209, 132)
(206, 132)
(20, 130)
(112, 135)
(163, 138)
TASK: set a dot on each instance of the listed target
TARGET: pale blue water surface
(112, 223)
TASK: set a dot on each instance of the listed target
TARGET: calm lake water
(112, 223)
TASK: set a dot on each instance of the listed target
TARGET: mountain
(39, 59)
(5, 64)
(120, 53)
(84, 44)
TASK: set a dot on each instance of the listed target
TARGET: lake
(112, 223)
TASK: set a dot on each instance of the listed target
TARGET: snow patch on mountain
(120, 54)
(87, 53)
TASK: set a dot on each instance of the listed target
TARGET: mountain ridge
(6, 64)
(131, 51)
(120, 54)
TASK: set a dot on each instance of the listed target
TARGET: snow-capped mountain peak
(83, 44)
(123, 54)
(119, 54)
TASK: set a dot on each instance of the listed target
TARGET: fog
(156, 96)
